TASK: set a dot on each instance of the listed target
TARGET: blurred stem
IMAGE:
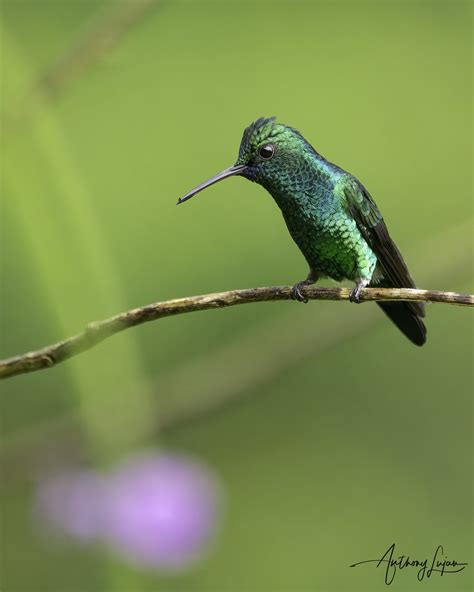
(75, 222)
(98, 331)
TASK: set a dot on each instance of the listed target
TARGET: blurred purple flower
(72, 503)
(156, 510)
(161, 510)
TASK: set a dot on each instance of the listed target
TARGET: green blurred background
(332, 435)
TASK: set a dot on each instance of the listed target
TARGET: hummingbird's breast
(319, 223)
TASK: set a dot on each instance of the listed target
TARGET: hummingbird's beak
(230, 172)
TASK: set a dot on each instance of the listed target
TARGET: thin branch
(97, 331)
(104, 34)
(105, 31)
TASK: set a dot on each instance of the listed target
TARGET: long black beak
(230, 172)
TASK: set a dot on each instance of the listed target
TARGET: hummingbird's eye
(266, 152)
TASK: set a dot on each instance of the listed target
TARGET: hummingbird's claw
(296, 292)
(309, 281)
(354, 296)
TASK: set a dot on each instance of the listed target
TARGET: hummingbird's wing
(371, 225)
(361, 206)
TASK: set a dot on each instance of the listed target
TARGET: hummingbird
(330, 215)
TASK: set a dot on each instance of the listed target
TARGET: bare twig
(97, 331)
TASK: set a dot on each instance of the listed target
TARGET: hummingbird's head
(268, 152)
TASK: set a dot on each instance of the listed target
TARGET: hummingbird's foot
(354, 296)
(296, 290)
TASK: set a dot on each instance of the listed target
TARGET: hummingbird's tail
(407, 316)
(406, 320)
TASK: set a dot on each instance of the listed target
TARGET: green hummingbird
(329, 214)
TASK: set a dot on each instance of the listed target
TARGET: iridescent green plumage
(330, 215)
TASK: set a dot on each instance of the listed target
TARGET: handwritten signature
(439, 563)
